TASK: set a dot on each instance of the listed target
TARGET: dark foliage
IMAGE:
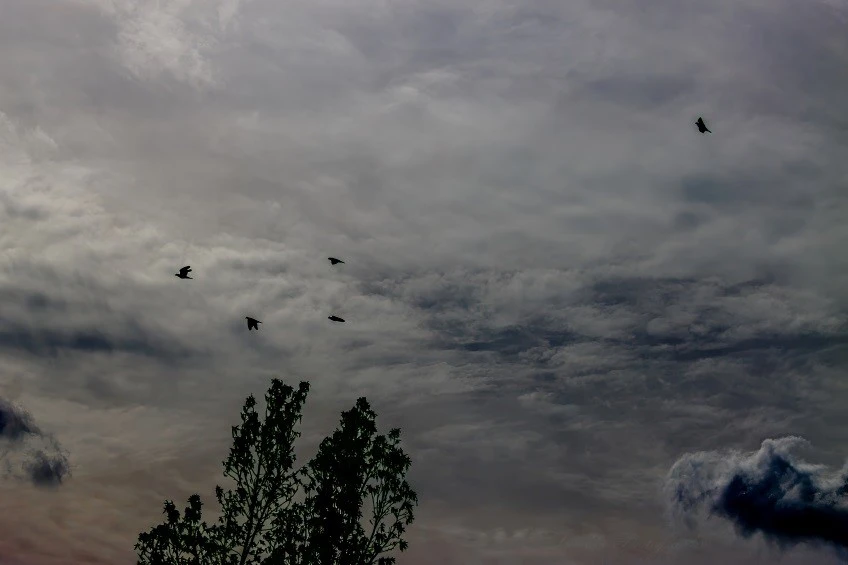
(277, 515)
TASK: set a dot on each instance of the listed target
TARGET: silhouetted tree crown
(278, 515)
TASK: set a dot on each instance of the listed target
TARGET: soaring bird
(334, 261)
(183, 274)
(702, 127)
(335, 318)
(252, 323)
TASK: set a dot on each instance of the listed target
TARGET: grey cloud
(49, 343)
(552, 283)
(683, 319)
(15, 423)
(768, 491)
(52, 312)
(47, 470)
(42, 466)
(639, 92)
(689, 358)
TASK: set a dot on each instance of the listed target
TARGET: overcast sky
(591, 322)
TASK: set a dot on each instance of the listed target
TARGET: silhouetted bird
(252, 323)
(335, 318)
(334, 261)
(702, 127)
(183, 274)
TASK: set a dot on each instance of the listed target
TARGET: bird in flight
(252, 323)
(335, 318)
(702, 127)
(334, 261)
(183, 274)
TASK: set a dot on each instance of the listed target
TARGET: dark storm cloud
(41, 322)
(46, 342)
(767, 492)
(47, 470)
(47, 465)
(15, 422)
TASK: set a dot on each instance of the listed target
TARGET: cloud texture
(768, 492)
(46, 465)
(552, 283)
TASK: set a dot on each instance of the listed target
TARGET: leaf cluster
(278, 515)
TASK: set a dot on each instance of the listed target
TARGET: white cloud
(155, 37)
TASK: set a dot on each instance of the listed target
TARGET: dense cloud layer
(552, 282)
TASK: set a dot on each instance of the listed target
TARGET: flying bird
(183, 274)
(335, 318)
(702, 127)
(334, 261)
(252, 323)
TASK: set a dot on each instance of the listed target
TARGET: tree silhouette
(276, 515)
(353, 466)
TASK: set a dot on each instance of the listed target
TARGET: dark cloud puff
(44, 465)
(15, 422)
(47, 469)
(768, 492)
